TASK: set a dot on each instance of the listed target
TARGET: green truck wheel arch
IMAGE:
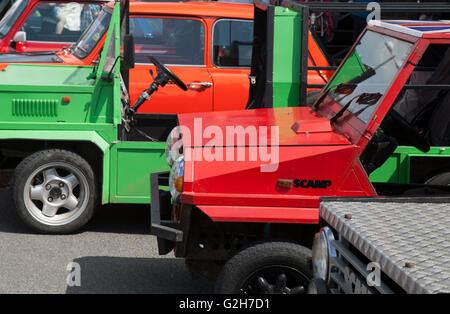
(86, 136)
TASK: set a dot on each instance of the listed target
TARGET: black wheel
(439, 179)
(311, 97)
(266, 268)
(54, 191)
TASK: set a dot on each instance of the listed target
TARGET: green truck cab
(72, 140)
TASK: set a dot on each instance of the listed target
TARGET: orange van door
(230, 63)
(178, 43)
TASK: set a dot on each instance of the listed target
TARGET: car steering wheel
(162, 68)
(401, 129)
(163, 77)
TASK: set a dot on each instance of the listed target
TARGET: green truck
(73, 140)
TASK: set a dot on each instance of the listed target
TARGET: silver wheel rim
(56, 193)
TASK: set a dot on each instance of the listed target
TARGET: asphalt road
(115, 254)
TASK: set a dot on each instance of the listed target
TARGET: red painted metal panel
(250, 200)
(283, 118)
(262, 214)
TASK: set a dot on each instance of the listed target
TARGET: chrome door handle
(199, 84)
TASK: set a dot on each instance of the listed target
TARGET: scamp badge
(314, 184)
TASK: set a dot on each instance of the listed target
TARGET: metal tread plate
(410, 241)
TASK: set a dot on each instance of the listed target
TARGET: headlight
(322, 250)
(176, 178)
(173, 147)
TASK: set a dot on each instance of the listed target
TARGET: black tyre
(311, 97)
(266, 268)
(440, 179)
(54, 191)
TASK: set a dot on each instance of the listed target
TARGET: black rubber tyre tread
(241, 265)
(440, 179)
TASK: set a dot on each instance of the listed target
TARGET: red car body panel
(313, 129)
(262, 214)
(218, 188)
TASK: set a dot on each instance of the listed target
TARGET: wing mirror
(128, 51)
(20, 36)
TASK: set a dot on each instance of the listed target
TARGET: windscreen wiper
(348, 87)
(343, 109)
(364, 98)
(369, 99)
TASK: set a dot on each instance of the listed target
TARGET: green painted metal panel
(107, 131)
(131, 166)
(109, 65)
(389, 171)
(30, 75)
(59, 99)
(48, 107)
(396, 169)
(287, 45)
(34, 107)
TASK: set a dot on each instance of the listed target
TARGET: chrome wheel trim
(54, 199)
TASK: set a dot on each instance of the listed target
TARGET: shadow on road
(9, 221)
(100, 274)
(130, 219)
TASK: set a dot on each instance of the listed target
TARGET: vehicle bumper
(165, 229)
